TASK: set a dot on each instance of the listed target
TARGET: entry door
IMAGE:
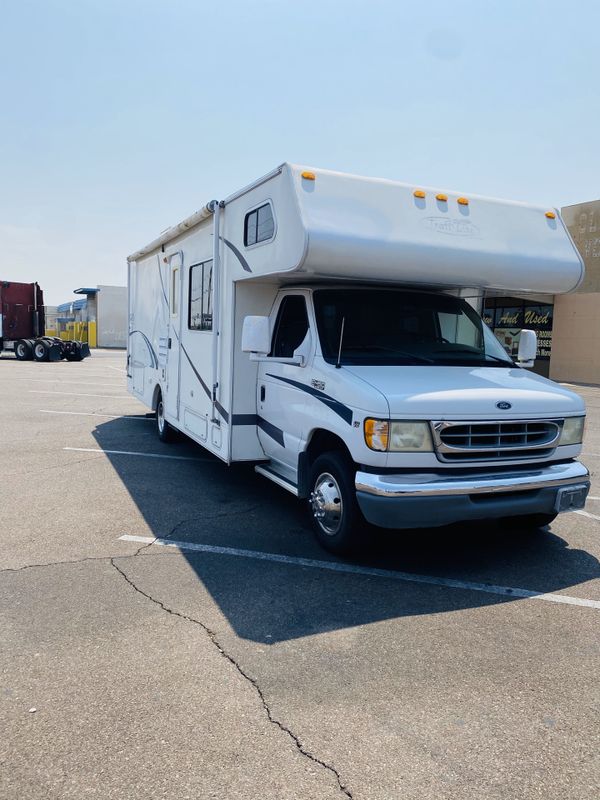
(172, 392)
(281, 399)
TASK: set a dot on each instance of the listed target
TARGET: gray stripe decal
(218, 405)
(196, 373)
(150, 348)
(162, 285)
(338, 408)
(237, 254)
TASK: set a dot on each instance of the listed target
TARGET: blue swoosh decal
(338, 408)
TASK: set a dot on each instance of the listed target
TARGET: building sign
(507, 321)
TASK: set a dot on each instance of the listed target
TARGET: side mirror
(256, 337)
(527, 348)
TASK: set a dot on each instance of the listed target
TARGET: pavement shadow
(201, 500)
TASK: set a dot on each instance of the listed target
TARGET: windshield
(389, 326)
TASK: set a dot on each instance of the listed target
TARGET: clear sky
(121, 117)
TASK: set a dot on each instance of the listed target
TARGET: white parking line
(59, 379)
(587, 514)
(93, 414)
(335, 566)
(81, 394)
(133, 453)
(116, 369)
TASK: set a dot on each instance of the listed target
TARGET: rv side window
(291, 326)
(259, 225)
(200, 305)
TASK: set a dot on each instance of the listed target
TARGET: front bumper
(424, 500)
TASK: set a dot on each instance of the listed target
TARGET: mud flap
(54, 352)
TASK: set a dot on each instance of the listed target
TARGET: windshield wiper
(402, 353)
(479, 355)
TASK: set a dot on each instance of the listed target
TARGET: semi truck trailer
(325, 327)
(22, 326)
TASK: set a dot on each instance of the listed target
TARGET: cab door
(173, 367)
(281, 399)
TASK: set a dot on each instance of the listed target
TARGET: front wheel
(164, 430)
(334, 512)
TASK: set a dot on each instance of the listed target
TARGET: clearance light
(376, 434)
(443, 198)
(550, 214)
(309, 176)
(463, 201)
(419, 193)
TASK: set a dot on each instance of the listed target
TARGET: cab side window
(291, 326)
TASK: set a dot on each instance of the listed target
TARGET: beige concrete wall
(576, 338)
(583, 222)
(112, 316)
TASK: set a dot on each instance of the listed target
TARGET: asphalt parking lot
(244, 662)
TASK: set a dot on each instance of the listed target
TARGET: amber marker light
(463, 201)
(308, 176)
(443, 198)
(550, 214)
(419, 193)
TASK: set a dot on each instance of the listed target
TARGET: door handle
(262, 393)
(169, 343)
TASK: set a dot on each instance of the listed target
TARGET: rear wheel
(23, 351)
(164, 430)
(40, 351)
(332, 505)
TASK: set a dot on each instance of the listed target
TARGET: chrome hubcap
(326, 503)
(160, 416)
(40, 350)
(21, 349)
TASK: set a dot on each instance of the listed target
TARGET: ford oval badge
(504, 405)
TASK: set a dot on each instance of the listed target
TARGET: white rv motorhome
(321, 326)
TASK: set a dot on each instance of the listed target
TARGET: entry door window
(291, 326)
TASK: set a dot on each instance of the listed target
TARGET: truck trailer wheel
(40, 351)
(332, 504)
(23, 350)
(164, 430)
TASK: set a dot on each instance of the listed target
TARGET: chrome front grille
(488, 441)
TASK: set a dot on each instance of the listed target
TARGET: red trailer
(22, 326)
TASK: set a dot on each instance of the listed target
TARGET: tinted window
(390, 327)
(259, 225)
(200, 305)
(291, 326)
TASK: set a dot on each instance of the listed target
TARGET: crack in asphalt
(57, 563)
(218, 515)
(252, 681)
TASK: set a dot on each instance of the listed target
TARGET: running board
(277, 478)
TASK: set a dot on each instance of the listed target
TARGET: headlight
(572, 430)
(398, 437)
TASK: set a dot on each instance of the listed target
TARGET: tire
(531, 521)
(40, 350)
(163, 429)
(334, 512)
(23, 350)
